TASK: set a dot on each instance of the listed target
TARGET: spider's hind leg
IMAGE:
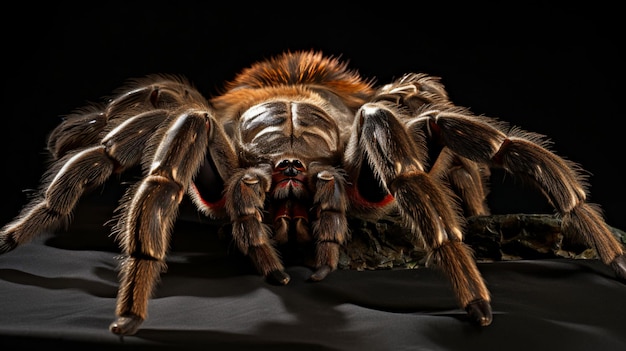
(85, 156)
(468, 179)
(381, 143)
(62, 187)
(559, 179)
(526, 156)
(76, 172)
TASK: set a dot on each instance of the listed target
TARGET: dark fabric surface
(60, 291)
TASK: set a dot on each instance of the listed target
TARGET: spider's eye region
(283, 164)
(290, 167)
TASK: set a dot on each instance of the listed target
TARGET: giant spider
(293, 147)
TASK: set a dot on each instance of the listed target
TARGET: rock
(386, 244)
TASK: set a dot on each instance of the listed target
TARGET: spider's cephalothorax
(293, 147)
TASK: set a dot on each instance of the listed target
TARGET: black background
(546, 68)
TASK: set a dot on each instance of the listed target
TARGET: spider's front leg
(309, 206)
(150, 208)
(245, 201)
(386, 164)
(329, 225)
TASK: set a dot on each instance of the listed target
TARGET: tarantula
(293, 147)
